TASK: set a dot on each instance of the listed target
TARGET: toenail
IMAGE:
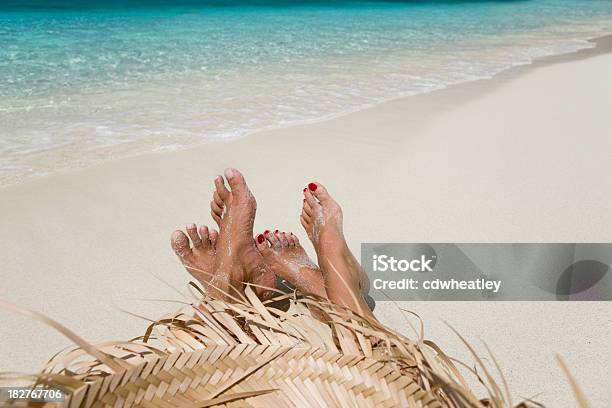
(312, 186)
(180, 239)
(260, 239)
(266, 232)
(304, 189)
(276, 231)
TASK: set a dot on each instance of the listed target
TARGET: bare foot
(322, 219)
(197, 257)
(217, 209)
(285, 256)
(238, 260)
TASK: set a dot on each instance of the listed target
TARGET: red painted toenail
(260, 239)
(305, 189)
(312, 187)
(266, 232)
(276, 231)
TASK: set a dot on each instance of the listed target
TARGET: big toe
(262, 244)
(236, 182)
(180, 244)
(319, 191)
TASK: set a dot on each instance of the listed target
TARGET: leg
(322, 219)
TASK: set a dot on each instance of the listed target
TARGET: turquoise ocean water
(84, 81)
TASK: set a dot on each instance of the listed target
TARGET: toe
(273, 240)
(216, 212)
(294, 239)
(218, 201)
(307, 208)
(180, 244)
(221, 190)
(217, 205)
(282, 237)
(213, 235)
(204, 234)
(192, 231)
(310, 199)
(319, 191)
(261, 243)
(236, 181)
(306, 217)
(304, 223)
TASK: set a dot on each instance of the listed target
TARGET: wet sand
(523, 157)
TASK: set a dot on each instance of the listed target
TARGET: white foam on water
(40, 135)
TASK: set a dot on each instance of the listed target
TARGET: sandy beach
(522, 157)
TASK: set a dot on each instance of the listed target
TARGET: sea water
(85, 81)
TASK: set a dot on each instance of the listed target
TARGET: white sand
(521, 158)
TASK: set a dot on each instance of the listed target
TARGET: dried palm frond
(249, 354)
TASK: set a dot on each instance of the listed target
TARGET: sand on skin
(520, 158)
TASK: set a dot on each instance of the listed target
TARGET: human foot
(287, 259)
(198, 256)
(322, 219)
(238, 260)
(217, 209)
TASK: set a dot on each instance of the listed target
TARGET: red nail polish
(266, 232)
(312, 187)
(260, 239)
(276, 231)
(304, 189)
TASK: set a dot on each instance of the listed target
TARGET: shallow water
(102, 79)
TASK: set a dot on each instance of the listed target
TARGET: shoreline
(602, 45)
(516, 158)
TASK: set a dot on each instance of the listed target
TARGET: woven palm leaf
(249, 354)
